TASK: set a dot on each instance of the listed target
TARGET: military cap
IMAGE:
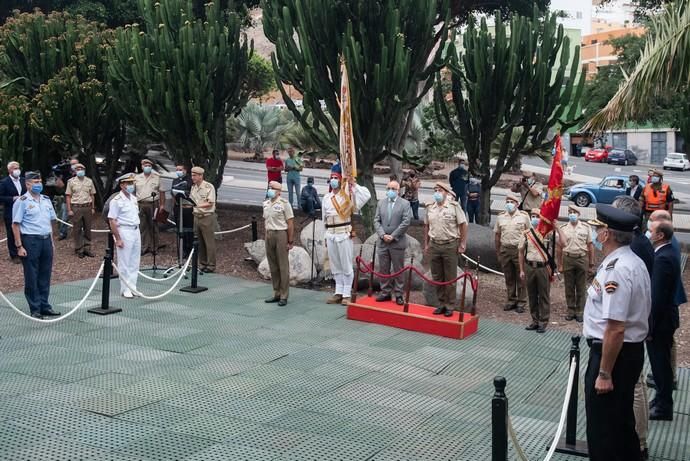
(445, 187)
(127, 177)
(198, 170)
(574, 208)
(275, 185)
(146, 162)
(79, 165)
(514, 197)
(655, 172)
(614, 219)
(536, 211)
(31, 175)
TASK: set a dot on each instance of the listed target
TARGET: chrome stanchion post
(194, 288)
(105, 308)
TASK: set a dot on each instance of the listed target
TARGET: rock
(316, 230)
(257, 250)
(300, 267)
(413, 250)
(480, 243)
(432, 300)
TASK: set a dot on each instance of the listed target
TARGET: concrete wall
(640, 142)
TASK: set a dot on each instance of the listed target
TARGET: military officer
(445, 237)
(32, 216)
(616, 326)
(533, 258)
(575, 259)
(278, 221)
(509, 229)
(151, 198)
(204, 195)
(81, 206)
(123, 216)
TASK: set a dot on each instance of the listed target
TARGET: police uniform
(124, 210)
(184, 183)
(575, 257)
(205, 221)
(511, 228)
(33, 214)
(537, 276)
(277, 215)
(444, 237)
(621, 292)
(80, 192)
(148, 194)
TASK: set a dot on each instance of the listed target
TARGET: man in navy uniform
(32, 217)
(11, 188)
(616, 326)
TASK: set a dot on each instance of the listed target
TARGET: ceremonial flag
(348, 155)
(552, 205)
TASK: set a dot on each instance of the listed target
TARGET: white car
(676, 161)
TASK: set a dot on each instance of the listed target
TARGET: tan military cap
(445, 187)
(275, 185)
(655, 172)
(198, 170)
(146, 162)
(574, 208)
(514, 197)
(79, 165)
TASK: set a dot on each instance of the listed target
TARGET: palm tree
(260, 127)
(664, 65)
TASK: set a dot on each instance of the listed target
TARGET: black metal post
(255, 229)
(569, 444)
(111, 247)
(194, 288)
(105, 308)
(499, 421)
(370, 291)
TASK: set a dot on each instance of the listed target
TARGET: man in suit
(663, 320)
(11, 188)
(634, 189)
(393, 216)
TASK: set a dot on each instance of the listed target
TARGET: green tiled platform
(222, 376)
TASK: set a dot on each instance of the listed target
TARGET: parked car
(598, 155)
(605, 192)
(622, 157)
(676, 161)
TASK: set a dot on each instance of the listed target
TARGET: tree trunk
(485, 206)
(219, 157)
(366, 179)
(396, 167)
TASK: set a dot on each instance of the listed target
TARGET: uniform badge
(277, 207)
(30, 207)
(596, 286)
(611, 265)
(610, 286)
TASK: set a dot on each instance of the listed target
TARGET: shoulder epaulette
(611, 264)
(23, 197)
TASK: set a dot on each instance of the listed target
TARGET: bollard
(370, 291)
(474, 294)
(408, 286)
(194, 288)
(462, 298)
(499, 421)
(105, 290)
(255, 229)
(355, 282)
(569, 444)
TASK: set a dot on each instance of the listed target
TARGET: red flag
(552, 205)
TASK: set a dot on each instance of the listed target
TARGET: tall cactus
(392, 49)
(13, 127)
(509, 88)
(178, 78)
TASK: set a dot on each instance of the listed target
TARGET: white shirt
(124, 210)
(620, 291)
(17, 184)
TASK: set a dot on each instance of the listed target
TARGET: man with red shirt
(274, 166)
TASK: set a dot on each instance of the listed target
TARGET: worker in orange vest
(656, 194)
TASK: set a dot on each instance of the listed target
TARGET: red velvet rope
(366, 268)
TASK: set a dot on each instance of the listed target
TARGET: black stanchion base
(101, 311)
(578, 449)
(193, 289)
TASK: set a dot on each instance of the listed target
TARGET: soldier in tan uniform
(535, 273)
(278, 221)
(150, 197)
(445, 237)
(204, 195)
(509, 228)
(80, 199)
(575, 259)
(531, 191)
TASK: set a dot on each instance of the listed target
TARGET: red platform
(418, 318)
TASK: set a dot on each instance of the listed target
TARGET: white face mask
(16, 173)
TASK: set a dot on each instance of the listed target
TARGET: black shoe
(509, 307)
(448, 312)
(520, 310)
(36, 315)
(51, 313)
(439, 310)
(578, 318)
(399, 301)
(89, 254)
(531, 327)
(657, 415)
(382, 298)
(273, 299)
(541, 329)
(570, 317)
(282, 302)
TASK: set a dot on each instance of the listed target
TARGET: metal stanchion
(408, 285)
(111, 247)
(462, 299)
(255, 229)
(569, 444)
(474, 290)
(355, 283)
(370, 291)
(105, 308)
(194, 288)
(499, 421)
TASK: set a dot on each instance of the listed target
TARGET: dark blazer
(681, 297)
(7, 194)
(637, 194)
(644, 250)
(393, 223)
(664, 316)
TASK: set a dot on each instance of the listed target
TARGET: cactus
(13, 127)
(177, 78)
(509, 88)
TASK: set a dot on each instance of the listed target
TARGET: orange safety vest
(655, 199)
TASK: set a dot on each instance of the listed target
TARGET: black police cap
(31, 175)
(615, 219)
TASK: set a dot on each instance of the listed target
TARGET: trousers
(659, 350)
(443, 259)
(11, 246)
(510, 264)
(278, 261)
(81, 232)
(187, 229)
(641, 410)
(149, 227)
(414, 204)
(575, 280)
(390, 260)
(128, 258)
(293, 185)
(204, 226)
(538, 293)
(38, 268)
(611, 434)
(473, 211)
(340, 256)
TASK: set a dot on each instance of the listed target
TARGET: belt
(331, 226)
(276, 230)
(128, 226)
(81, 205)
(597, 344)
(536, 264)
(443, 242)
(509, 247)
(202, 215)
(573, 255)
(37, 236)
(147, 203)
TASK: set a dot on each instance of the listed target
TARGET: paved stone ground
(222, 376)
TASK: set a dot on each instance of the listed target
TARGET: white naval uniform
(125, 211)
(338, 241)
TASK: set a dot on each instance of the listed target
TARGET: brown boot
(335, 299)
(345, 301)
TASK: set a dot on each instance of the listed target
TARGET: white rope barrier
(166, 277)
(3, 240)
(484, 268)
(564, 410)
(62, 317)
(164, 294)
(233, 230)
(103, 231)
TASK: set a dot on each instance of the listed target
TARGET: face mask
(510, 208)
(16, 173)
(130, 188)
(595, 241)
(535, 222)
(81, 173)
(648, 234)
(147, 169)
(530, 182)
(572, 217)
(271, 193)
(655, 179)
(37, 188)
(391, 194)
(179, 174)
(335, 183)
(438, 197)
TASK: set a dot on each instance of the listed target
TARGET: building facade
(650, 145)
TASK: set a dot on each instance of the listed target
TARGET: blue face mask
(130, 188)
(535, 222)
(510, 208)
(179, 174)
(595, 241)
(438, 197)
(147, 169)
(81, 173)
(271, 193)
(572, 217)
(37, 188)
(391, 194)
(335, 183)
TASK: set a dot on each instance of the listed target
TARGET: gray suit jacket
(393, 222)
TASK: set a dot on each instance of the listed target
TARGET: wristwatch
(604, 375)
